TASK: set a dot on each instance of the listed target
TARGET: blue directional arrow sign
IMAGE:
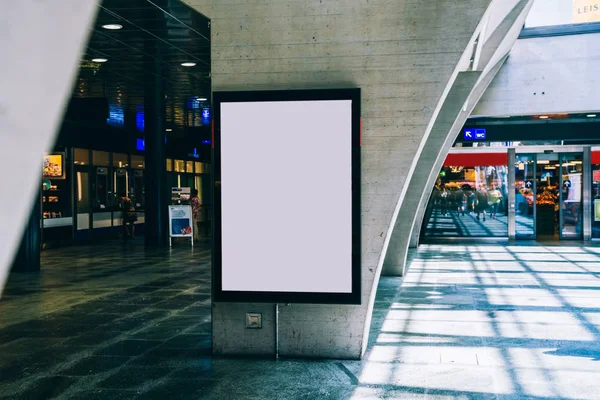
(474, 134)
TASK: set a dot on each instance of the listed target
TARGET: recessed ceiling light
(112, 27)
(99, 60)
(169, 130)
(201, 99)
(591, 115)
(543, 117)
(188, 64)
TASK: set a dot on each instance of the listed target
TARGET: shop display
(54, 166)
(181, 195)
(547, 205)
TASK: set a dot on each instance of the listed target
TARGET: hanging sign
(474, 134)
(586, 11)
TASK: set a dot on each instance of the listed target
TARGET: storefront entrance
(523, 193)
(549, 193)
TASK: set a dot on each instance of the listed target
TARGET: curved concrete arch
(466, 93)
(408, 57)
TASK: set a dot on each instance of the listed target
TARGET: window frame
(560, 30)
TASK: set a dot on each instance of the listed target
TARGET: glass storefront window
(524, 195)
(138, 162)
(120, 160)
(179, 166)
(202, 168)
(189, 167)
(169, 165)
(101, 158)
(571, 223)
(596, 201)
(81, 156)
(562, 12)
(468, 202)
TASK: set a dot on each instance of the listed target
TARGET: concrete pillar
(27, 258)
(156, 227)
(403, 54)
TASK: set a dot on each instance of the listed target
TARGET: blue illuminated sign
(206, 116)
(140, 144)
(116, 116)
(139, 119)
(194, 154)
(206, 142)
(193, 103)
(474, 134)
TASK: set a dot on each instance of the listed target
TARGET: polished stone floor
(467, 322)
(457, 224)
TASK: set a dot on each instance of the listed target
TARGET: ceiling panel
(180, 34)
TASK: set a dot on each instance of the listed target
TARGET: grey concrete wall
(546, 75)
(403, 54)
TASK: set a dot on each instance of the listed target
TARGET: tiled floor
(457, 224)
(111, 321)
(467, 322)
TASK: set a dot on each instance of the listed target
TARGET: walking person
(196, 214)
(471, 200)
(444, 200)
(461, 200)
(495, 197)
(128, 217)
(482, 202)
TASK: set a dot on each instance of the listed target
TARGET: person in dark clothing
(482, 202)
(128, 216)
(444, 199)
(459, 201)
(471, 200)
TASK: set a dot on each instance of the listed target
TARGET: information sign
(180, 222)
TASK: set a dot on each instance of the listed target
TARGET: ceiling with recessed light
(116, 60)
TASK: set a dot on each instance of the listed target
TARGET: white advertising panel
(180, 221)
(287, 198)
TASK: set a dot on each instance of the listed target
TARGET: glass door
(82, 198)
(547, 181)
(525, 188)
(571, 184)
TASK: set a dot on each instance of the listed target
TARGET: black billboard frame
(355, 296)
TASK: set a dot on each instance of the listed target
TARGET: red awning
(475, 159)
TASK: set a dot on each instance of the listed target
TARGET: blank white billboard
(286, 197)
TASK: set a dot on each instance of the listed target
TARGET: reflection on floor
(106, 322)
(467, 322)
(477, 321)
(455, 224)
